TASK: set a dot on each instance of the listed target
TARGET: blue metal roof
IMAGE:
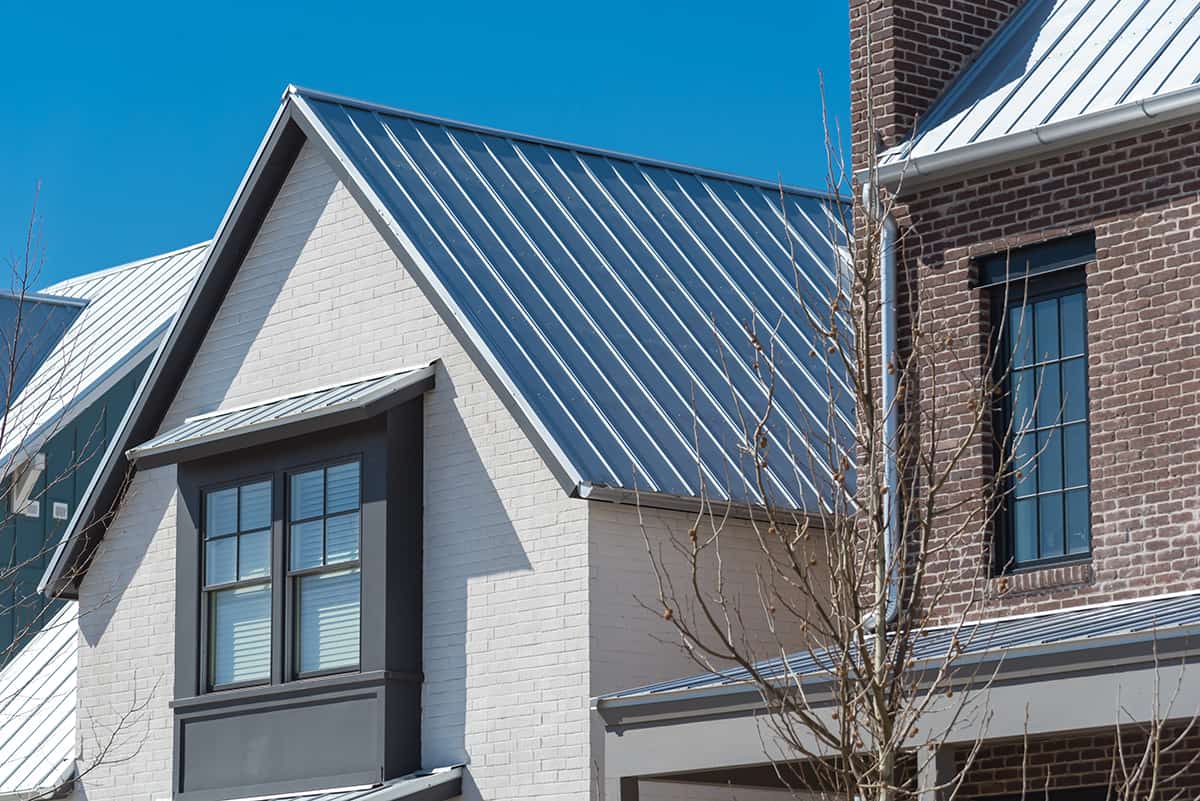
(1060, 59)
(615, 293)
(1161, 616)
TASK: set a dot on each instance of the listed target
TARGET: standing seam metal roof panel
(610, 288)
(1162, 616)
(127, 308)
(1055, 60)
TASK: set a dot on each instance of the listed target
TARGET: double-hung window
(1042, 424)
(237, 582)
(324, 525)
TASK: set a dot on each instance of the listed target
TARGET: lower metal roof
(37, 709)
(426, 785)
(362, 398)
(1161, 617)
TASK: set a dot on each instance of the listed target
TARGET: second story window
(324, 523)
(1042, 422)
(237, 583)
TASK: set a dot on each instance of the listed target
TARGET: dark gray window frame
(339, 706)
(206, 655)
(1022, 277)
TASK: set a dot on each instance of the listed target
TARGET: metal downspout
(891, 378)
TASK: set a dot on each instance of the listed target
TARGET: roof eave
(909, 173)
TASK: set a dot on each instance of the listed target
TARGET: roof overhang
(282, 418)
(903, 174)
(1038, 692)
(439, 784)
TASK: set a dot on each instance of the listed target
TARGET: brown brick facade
(1088, 760)
(1140, 196)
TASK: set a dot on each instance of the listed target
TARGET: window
(324, 524)
(1044, 418)
(237, 583)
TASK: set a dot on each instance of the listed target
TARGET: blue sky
(139, 119)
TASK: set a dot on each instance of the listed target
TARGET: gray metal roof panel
(425, 785)
(988, 638)
(608, 288)
(231, 423)
(1055, 60)
(37, 708)
(128, 308)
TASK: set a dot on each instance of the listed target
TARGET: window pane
(306, 544)
(220, 514)
(341, 538)
(308, 494)
(1025, 542)
(327, 627)
(255, 507)
(1020, 336)
(1078, 525)
(341, 488)
(1024, 465)
(1050, 463)
(220, 560)
(1024, 387)
(1050, 525)
(241, 635)
(1049, 399)
(1075, 390)
(254, 554)
(1073, 324)
(1045, 329)
(1075, 455)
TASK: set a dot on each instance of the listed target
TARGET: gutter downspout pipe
(890, 376)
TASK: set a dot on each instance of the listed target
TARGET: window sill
(1040, 579)
(292, 689)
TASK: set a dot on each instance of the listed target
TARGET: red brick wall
(1079, 761)
(1140, 196)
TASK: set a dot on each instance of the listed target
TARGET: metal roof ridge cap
(130, 265)
(633, 158)
(1075, 130)
(398, 373)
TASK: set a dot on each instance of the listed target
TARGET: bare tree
(36, 393)
(877, 682)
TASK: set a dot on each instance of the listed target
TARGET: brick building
(1043, 160)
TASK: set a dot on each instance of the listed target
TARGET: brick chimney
(917, 48)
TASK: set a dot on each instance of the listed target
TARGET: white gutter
(890, 376)
(1022, 145)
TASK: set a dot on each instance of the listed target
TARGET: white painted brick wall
(512, 650)
(126, 655)
(321, 298)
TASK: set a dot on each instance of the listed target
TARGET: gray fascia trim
(381, 108)
(684, 503)
(1116, 652)
(44, 297)
(110, 477)
(923, 171)
(568, 475)
(416, 383)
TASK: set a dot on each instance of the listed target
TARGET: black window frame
(207, 591)
(292, 577)
(1017, 280)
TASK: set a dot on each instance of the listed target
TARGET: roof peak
(395, 111)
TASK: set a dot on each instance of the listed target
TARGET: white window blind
(325, 519)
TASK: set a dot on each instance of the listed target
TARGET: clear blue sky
(139, 119)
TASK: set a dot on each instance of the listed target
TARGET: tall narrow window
(1046, 419)
(237, 583)
(324, 521)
